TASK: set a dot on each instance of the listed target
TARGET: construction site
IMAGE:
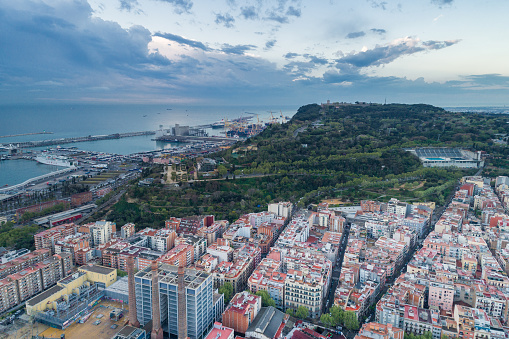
(97, 325)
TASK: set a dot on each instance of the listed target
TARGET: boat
(55, 160)
(219, 124)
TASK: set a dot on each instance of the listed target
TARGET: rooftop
(97, 269)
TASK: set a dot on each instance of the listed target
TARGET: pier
(39, 179)
(52, 142)
(191, 138)
(23, 134)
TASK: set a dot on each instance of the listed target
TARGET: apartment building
(282, 209)
(127, 231)
(213, 232)
(9, 294)
(304, 289)
(268, 277)
(179, 255)
(200, 301)
(241, 311)
(101, 232)
(161, 240)
(24, 261)
(48, 238)
(72, 244)
(441, 296)
(221, 250)
(379, 331)
(199, 244)
(110, 253)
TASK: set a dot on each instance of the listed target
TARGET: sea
(66, 120)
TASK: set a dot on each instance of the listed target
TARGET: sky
(286, 52)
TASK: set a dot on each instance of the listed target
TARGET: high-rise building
(199, 299)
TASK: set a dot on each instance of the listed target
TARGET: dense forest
(349, 152)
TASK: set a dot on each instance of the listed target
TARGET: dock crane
(283, 119)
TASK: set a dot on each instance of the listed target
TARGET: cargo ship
(56, 160)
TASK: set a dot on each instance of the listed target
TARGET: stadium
(447, 157)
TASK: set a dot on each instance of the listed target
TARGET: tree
(327, 319)
(121, 273)
(337, 314)
(266, 299)
(302, 312)
(222, 170)
(350, 320)
(425, 335)
(290, 312)
(227, 290)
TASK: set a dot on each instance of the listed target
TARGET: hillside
(349, 152)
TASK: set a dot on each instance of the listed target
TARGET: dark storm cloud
(237, 49)
(181, 6)
(355, 35)
(183, 41)
(269, 44)
(378, 30)
(249, 12)
(225, 19)
(385, 54)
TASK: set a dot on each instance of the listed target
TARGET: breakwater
(60, 141)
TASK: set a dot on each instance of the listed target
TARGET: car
(114, 326)
(97, 322)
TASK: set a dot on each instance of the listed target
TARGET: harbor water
(78, 120)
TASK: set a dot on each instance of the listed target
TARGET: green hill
(350, 152)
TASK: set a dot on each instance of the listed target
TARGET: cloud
(226, 19)
(61, 51)
(292, 11)
(316, 60)
(181, 6)
(433, 44)
(291, 55)
(249, 12)
(128, 5)
(269, 44)
(302, 69)
(273, 16)
(385, 54)
(355, 35)
(442, 2)
(378, 31)
(182, 40)
(237, 49)
(378, 4)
